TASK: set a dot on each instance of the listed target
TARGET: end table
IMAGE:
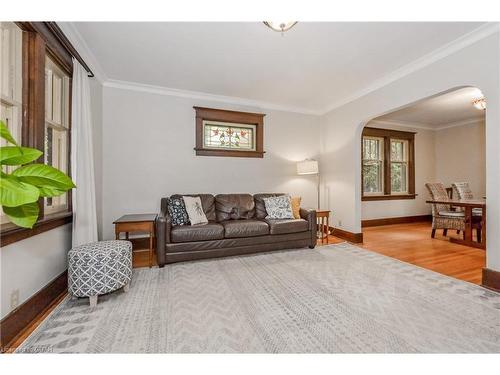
(323, 220)
(137, 223)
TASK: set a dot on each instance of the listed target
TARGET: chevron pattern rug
(335, 299)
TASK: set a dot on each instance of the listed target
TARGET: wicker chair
(443, 217)
(462, 190)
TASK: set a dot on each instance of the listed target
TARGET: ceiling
(310, 67)
(440, 111)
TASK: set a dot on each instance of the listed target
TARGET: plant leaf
(23, 216)
(11, 155)
(5, 133)
(47, 191)
(42, 175)
(15, 193)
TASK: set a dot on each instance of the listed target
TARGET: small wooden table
(468, 204)
(323, 221)
(137, 223)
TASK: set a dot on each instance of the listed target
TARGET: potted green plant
(21, 189)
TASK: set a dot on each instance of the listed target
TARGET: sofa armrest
(163, 227)
(310, 216)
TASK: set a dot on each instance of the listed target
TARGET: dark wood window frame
(39, 40)
(387, 135)
(235, 117)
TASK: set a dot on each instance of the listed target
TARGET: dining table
(468, 205)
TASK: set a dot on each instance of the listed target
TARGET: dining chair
(443, 217)
(462, 190)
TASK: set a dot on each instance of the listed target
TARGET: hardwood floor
(410, 243)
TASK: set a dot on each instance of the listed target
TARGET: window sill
(388, 197)
(15, 234)
(229, 153)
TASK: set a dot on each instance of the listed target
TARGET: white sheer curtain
(82, 160)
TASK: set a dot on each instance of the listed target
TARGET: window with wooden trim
(229, 133)
(36, 71)
(11, 79)
(57, 121)
(388, 164)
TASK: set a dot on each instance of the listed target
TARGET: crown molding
(167, 91)
(83, 49)
(404, 124)
(426, 60)
(454, 124)
(419, 125)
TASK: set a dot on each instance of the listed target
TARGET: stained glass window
(229, 136)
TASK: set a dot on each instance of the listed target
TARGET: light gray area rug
(338, 298)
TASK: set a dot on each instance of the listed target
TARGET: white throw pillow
(195, 210)
(279, 207)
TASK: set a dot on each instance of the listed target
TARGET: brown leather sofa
(237, 225)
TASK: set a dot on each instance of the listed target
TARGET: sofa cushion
(284, 226)
(244, 228)
(207, 202)
(177, 211)
(202, 232)
(234, 206)
(279, 207)
(260, 208)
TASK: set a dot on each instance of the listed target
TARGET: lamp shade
(308, 167)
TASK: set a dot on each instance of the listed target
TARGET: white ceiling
(440, 111)
(311, 67)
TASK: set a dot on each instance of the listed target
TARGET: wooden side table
(137, 223)
(323, 220)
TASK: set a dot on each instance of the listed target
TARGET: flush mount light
(479, 103)
(280, 26)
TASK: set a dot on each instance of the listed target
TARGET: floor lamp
(309, 166)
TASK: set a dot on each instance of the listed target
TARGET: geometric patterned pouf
(99, 268)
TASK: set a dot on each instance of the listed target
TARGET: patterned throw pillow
(195, 210)
(177, 211)
(296, 207)
(278, 207)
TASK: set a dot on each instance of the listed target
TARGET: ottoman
(99, 268)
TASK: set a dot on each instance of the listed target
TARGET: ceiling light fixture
(280, 26)
(479, 103)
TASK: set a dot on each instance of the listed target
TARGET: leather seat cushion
(284, 226)
(234, 206)
(244, 228)
(201, 232)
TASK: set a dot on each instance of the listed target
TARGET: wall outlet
(340, 223)
(14, 299)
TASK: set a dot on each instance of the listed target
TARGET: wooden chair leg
(445, 232)
(433, 233)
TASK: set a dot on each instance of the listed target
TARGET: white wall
(148, 154)
(461, 156)
(424, 172)
(30, 264)
(477, 65)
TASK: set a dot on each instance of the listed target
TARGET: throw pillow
(296, 207)
(177, 211)
(195, 210)
(278, 207)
